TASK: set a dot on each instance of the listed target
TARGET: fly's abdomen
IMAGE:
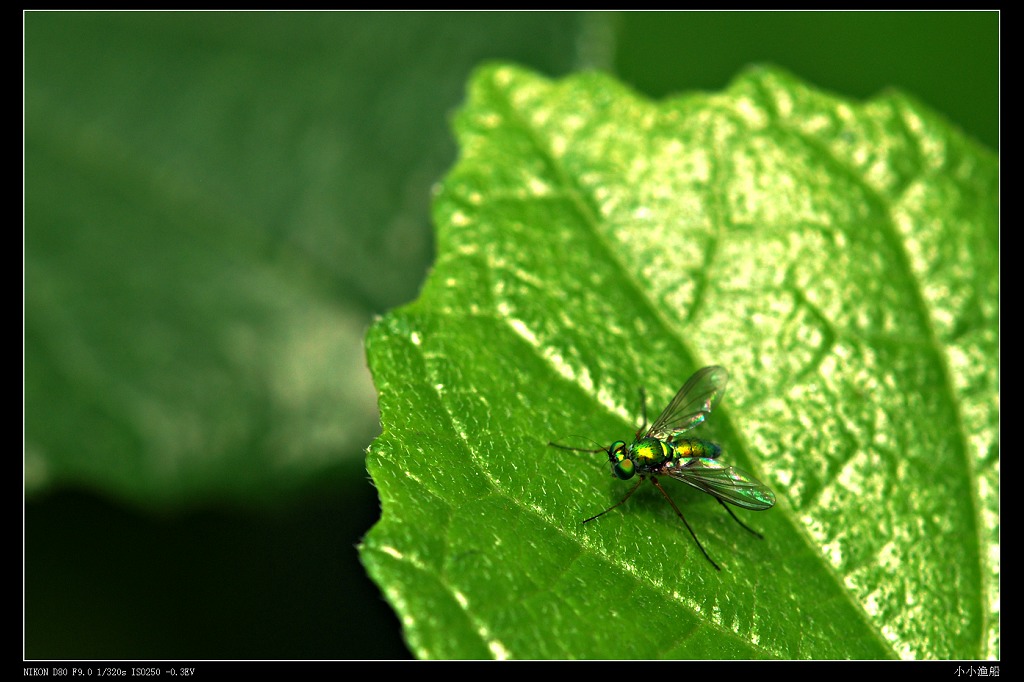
(695, 447)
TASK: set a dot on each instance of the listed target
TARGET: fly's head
(622, 466)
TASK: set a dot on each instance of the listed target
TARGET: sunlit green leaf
(840, 259)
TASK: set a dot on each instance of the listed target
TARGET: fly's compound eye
(622, 466)
(624, 469)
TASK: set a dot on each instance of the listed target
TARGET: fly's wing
(692, 404)
(727, 483)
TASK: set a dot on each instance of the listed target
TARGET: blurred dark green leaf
(215, 206)
(839, 258)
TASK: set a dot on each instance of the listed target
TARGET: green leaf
(840, 259)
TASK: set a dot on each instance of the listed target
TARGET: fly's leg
(683, 519)
(643, 411)
(628, 495)
(748, 528)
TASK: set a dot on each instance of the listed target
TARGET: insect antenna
(567, 447)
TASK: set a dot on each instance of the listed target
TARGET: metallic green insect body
(660, 451)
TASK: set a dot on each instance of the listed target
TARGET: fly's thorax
(650, 452)
(622, 465)
(696, 447)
